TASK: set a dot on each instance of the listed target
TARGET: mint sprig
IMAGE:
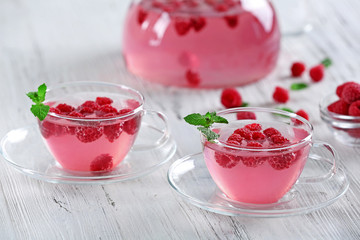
(298, 86)
(39, 109)
(204, 122)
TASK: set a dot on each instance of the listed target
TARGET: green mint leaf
(42, 92)
(218, 119)
(210, 135)
(195, 119)
(298, 86)
(40, 110)
(33, 96)
(326, 62)
(244, 104)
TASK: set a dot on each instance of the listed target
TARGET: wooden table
(60, 41)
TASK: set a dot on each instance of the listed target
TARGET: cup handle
(333, 161)
(165, 132)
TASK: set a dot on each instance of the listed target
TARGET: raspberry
(339, 107)
(106, 109)
(235, 137)
(232, 21)
(102, 162)
(226, 160)
(297, 69)
(257, 135)
(303, 114)
(279, 139)
(221, 7)
(282, 162)
(76, 114)
(252, 161)
(65, 108)
(354, 109)
(351, 93)
(245, 115)
(141, 16)
(281, 95)
(49, 129)
(244, 132)
(86, 110)
(130, 126)
(103, 101)
(55, 110)
(113, 132)
(254, 144)
(89, 134)
(230, 98)
(340, 88)
(182, 26)
(234, 143)
(317, 72)
(90, 104)
(132, 104)
(198, 23)
(253, 126)
(271, 131)
(193, 78)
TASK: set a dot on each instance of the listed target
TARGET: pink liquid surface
(257, 177)
(232, 47)
(90, 146)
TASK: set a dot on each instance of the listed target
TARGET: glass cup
(258, 161)
(201, 43)
(92, 126)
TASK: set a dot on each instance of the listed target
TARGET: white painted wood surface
(57, 41)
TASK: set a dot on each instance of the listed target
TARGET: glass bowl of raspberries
(341, 112)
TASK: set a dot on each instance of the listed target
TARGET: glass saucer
(24, 150)
(191, 179)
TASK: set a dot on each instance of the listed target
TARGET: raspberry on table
(317, 72)
(271, 131)
(253, 127)
(351, 93)
(231, 98)
(102, 162)
(354, 109)
(339, 107)
(340, 88)
(281, 95)
(245, 115)
(103, 101)
(297, 69)
(303, 114)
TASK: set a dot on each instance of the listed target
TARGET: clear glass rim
(305, 140)
(94, 83)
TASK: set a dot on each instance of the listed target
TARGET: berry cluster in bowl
(341, 111)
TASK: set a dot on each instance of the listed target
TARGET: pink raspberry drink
(201, 43)
(258, 161)
(91, 127)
